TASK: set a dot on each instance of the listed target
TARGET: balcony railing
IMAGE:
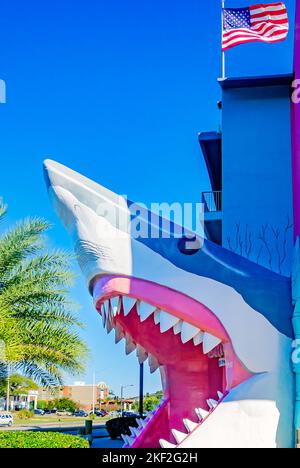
(212, 201)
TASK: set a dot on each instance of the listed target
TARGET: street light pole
(122, 388)
(122, 400)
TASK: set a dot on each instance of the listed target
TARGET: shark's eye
(189, 245)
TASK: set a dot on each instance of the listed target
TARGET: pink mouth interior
(189, 377)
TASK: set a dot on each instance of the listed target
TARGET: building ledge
(256, 81)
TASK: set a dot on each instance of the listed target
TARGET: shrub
(65, 404)
(116, 427)
(26, 439)
(25, 414)
(42, 404)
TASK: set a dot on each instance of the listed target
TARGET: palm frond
(38, 323)
(23, 240)
(3, 209)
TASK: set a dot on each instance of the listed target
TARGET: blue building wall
(257, 174)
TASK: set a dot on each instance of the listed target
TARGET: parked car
(80, 414)
(101, 413)
(97, 413)
(130, 414)
(63, 413)
(6, 419)
(48, 411)
(39, 412)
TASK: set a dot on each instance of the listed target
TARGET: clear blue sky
(118, 91)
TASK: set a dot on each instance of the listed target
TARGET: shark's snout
(99, 230)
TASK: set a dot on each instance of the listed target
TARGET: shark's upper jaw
(197, 367)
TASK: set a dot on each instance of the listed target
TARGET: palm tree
(38, 325)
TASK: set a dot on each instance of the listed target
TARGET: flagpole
(223, 53)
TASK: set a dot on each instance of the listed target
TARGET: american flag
(267, 23)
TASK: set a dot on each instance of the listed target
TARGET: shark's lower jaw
(191, 349)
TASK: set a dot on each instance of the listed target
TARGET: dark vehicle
(130, 414)
(39, 412)
(99, 413)
(116, 427)
(80, 414)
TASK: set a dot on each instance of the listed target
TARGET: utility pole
(122, 388)
(8, 389)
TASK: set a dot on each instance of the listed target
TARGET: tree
(42, 404)
(65, 404)
(17, 384)
(38, 325)
(149, 402)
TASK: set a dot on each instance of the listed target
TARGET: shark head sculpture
(216, 325)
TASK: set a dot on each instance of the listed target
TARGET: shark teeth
(156, 316)
(130, 345)
(153, 363)
(145, 310)
(201, 413)
(128, 304)
(198, 339)
(212, 403)
(104, 312)
(135, 432)
(178, 436)
(119, 334)
(141, 353)
(109, 320)
(128, 440)
(111, 308)
(115, 304)
(209, 342)
(142, 423)
(188, 332)
(177, 328)
(165, 444)
(103, 316)
(167, 321)
(190, 425)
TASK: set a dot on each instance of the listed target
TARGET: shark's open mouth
(181, 338)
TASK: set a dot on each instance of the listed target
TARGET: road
(101, 438)
(55, 426)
